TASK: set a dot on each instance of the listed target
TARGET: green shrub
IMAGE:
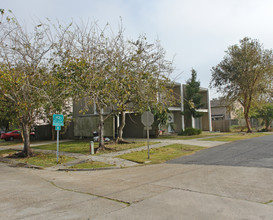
(190, 132)
(238, 128)
(264, 130)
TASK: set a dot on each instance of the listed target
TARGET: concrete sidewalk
(164, 191)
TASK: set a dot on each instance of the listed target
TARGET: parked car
(16, 134)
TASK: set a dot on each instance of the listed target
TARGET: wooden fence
(225, 125)
(221, 125)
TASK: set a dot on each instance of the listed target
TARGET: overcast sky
(196, 32)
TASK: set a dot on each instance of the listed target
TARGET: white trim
(95, 108)
(117, 120)
(174, 109)
(202, 110)
(192, 122)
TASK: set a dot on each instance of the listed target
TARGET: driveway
(255, 152)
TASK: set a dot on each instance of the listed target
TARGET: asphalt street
(255, 152)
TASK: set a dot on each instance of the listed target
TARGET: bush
(265, 130)
(238, 128)
(190, 132)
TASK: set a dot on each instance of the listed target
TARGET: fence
(221, 125)
(225, 125)
(43, 132)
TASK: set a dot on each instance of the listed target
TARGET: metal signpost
(147, 119)
(58, 121)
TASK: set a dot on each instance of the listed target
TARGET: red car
(16, 134)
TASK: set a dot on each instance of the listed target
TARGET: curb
(90, 169)
(25, 165)
(13, 163)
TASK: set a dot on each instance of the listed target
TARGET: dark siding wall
(134, 128)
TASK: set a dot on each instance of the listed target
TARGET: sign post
(58, 121)
(147, 119)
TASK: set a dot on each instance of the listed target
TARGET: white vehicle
(96, 139)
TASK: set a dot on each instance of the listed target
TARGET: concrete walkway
(196, 142)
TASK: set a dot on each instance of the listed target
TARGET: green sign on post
(58, 121)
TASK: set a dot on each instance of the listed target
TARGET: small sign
(57, 128)
(58, 120)
(147, 118)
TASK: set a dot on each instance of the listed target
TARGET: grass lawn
(10, 143)
(162, 154)
(91, 165)
(83, 147)
(235, 137)
(203, 135)
(7, 152)
(15, 142)
(45, 160)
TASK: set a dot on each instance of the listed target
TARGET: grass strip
(235, 137)
(8, 152)
(162, 154)
(45, 160)
(180, 137)
(11, 143)
(83, 147)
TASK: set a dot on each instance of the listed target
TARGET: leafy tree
(115, 74)
(141, 73)
(23, 71)
(7, 114)
(266, 114)
(244, 74)
(85, 70)
(60, 103)
(192, 99)
(160, 117)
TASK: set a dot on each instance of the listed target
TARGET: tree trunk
(26, 137)
(7, 126)
(101, 131)
(121, 127)
(157, 130)
(267, 125)
(246, 114)
(248, 125)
